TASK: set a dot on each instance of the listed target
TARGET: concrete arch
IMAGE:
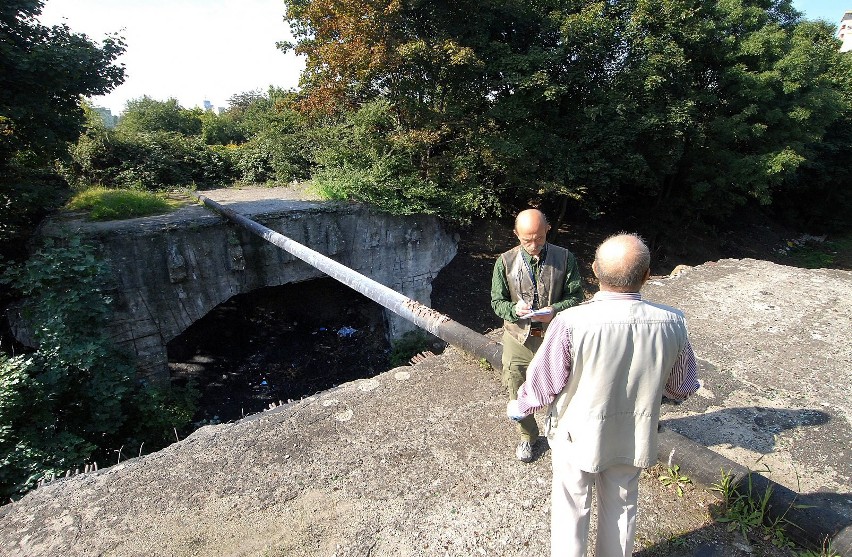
(171, 270)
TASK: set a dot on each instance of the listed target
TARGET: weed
(673, 477)
(113, 204)
(747, 511)
(825, 551)
(816, 255)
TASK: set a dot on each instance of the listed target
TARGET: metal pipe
(424, 317)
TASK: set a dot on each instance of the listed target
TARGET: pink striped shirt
(551, 368)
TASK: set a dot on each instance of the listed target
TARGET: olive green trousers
(516, 360)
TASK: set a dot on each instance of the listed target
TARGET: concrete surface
(418, 460)
(415, 462)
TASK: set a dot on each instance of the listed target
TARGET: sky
(197, 50)
(190, 50)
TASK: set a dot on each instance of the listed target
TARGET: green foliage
(43, 73)
(411, 344)
(111, 204)
(69, 401)
(674, 110)
(150, 160)
(59, 402)
(748, 511)
(367, 157)
(147, 115)
(26, 195)
(221, 129)
(673, 478)
(825, 551)
(278, 151)
(812, 254)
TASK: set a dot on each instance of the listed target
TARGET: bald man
(603, 369)
(532, 282)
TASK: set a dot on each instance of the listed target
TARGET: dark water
(279, 343)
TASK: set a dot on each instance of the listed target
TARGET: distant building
(208, 105)
(845, 33)
(106, 115)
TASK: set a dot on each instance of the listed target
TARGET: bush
(26, 196)
(370, 158)
(278, 152)
(152, 160)
(73, 400)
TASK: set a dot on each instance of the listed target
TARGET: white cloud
(191, 50)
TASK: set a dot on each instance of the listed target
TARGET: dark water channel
(276, 344)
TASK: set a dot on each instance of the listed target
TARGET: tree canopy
(674, 107)
(43, 73)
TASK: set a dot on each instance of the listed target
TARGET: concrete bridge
(171, 270)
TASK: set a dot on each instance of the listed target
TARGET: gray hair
(622, 260)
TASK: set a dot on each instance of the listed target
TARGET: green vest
(549, 282)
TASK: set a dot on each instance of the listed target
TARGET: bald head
(622, 263)
(531, 228)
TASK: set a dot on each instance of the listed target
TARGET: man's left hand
(513, 412)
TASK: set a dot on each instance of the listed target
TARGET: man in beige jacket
(603, 369)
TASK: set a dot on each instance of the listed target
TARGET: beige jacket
(622, 355)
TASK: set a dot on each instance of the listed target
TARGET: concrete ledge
(812, 521)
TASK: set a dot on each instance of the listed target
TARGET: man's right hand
(522, 308)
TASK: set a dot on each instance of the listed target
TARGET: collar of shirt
(539, 258)
(602, 295)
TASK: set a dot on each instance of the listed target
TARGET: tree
(44, 72)
(682, 108)
(150, 115)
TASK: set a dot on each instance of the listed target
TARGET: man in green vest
(532, 282)
(603, 371)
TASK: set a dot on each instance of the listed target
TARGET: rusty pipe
(424, 317)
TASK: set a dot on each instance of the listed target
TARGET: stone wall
(171, 270)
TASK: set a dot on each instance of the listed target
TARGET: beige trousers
(616, 489)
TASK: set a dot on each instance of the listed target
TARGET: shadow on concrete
(703, 542)
(759, 424)
(814, 517)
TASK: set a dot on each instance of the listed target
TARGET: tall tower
(845, 33)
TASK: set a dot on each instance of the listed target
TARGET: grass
(746, 510)
(115, 204)
(832, 253)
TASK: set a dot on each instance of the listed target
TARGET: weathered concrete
(419, 460)
(171, 270)
(416, 462)
(776, 364)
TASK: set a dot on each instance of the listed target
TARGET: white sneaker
(524, 451)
